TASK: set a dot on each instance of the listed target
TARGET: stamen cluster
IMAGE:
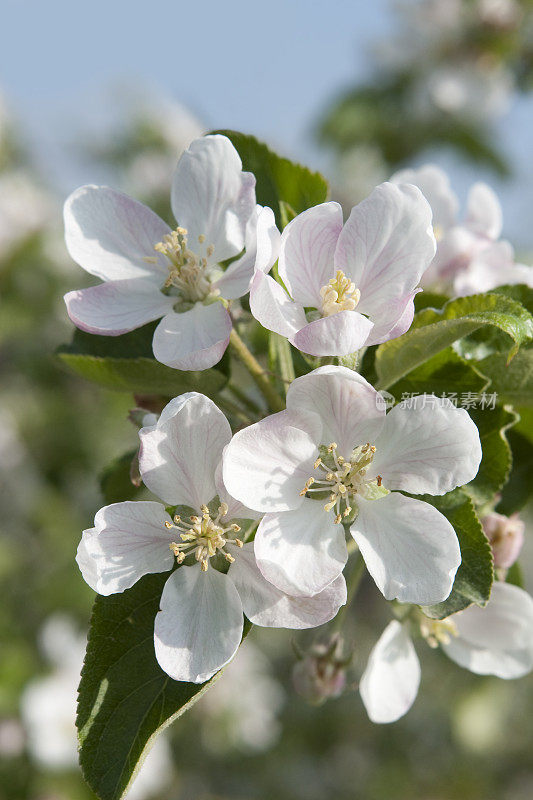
(437, 631)
(205, 536)
(339, 294)
(343, 478)
(187, 270)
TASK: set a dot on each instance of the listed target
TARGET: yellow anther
(223, 509)
(180, 557)
(235, 527)
(195, 520)
(342, 488)
(339, 294)
(204, 564)
(201, 238)
(317, 463)
(338, 519)
(229, 558)
(168, 524)
(210, 250)
(239, 542)
(329, 505)
(177, 519)
(332, 447)
(347, 511)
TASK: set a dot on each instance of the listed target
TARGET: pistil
(204, 536)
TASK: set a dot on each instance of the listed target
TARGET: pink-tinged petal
(302, 551)
(178, 457)
(306, 254)
(337, 335)
(268, 607)
(236, 509)
(496, 640)
(426, 446)
(273, 308)
(351, 410)
(262, 248)
(266, 465)
(116, 307)
(212, 196)
(455, 251)
(409, 548)
(390, 682)
(492, 266)
(483, 211)
(393, 319)
(129, 540)
(386, 245)
(435, 186)
(194, 340)
(110, 235)
(199, 627)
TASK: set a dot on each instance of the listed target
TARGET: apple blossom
(335, 456)
(495, 640)
(470, 255)
(348, 285)
(150, 271)
(200, 623)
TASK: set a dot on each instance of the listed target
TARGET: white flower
(506, 537)
(470, 255)
(150, 271)
(48, 708)
(358, 279)
(333, 454)
(495, 640)
(200, 624)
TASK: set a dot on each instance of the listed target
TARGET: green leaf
(434, 330)
(115, 481)
(125, 363)
(279, 180)
(492, 424)
(513, 382)
(125, 698)
(445, 373)
(474, 577)
(519, 487)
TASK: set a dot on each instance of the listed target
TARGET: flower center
(187, 271)
(343, 479)
(204, 536)
(438, 631)
(339, 294)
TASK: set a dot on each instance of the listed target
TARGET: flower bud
(506, 537)
(320, 673)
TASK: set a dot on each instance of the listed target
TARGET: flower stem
(352, 585)
(275, 403)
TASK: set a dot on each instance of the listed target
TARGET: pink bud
(506, 537)
(321, 672)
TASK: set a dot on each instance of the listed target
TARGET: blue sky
(264, 68)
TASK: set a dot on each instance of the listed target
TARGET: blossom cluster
(260, 523)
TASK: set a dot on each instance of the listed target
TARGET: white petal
(273, 308)
(194, 340)
(392, 319)
(496, 640)
(493, 266)
(268, 607)
(306, 254)
(483, 212)
(266, 465)
(129, 540)
(409, 548)
(301, 552)
(390, 682)
(351, 410)
(435, 186)
(116, 307)
(386, 245)
(236, 509)
(262, 248)
(179, 456)
(110, 235)
(337, 335)
(212, 196)
(426, 446)
(199, 626)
